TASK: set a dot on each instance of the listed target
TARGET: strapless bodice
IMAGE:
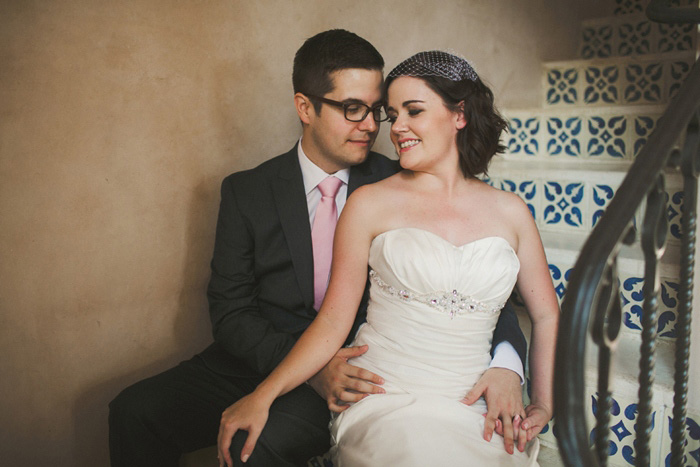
(433, 308)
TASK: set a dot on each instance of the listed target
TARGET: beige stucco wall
(118, 121)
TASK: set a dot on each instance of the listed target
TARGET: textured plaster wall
(118, 121)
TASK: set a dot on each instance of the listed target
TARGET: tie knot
(329, 186)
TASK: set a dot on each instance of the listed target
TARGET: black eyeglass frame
(376, 110)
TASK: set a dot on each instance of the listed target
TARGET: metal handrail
(592, 295)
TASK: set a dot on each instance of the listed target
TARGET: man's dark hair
(329, 51)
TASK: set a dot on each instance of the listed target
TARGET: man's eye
(355, 108)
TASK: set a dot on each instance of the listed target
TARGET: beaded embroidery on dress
(430, 320)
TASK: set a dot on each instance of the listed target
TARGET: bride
(445, 251)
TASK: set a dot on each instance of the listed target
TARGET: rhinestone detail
(452, 303)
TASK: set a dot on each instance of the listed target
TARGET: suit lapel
(290, 200)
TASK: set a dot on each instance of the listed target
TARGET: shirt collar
(313, 174)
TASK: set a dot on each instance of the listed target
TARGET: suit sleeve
(237, 322)
(508, 330)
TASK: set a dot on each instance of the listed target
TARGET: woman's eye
(414, 112)
(392, 118)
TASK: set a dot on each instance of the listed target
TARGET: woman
(445, 251)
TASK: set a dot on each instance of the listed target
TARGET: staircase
(566, 160)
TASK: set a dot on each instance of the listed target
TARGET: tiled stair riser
(560, 202)
(564, 201)
(624, 7)
(617, 81)
(606, 135)
(621, 437)
(631, 282)
(633, 35)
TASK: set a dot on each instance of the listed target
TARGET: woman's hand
(537, 416)
(250, 414)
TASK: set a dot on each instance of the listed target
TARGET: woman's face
(423, 129)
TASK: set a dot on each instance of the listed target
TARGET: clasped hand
(249, 414)
(505, 415)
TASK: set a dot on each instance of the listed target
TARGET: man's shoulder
(264, 170)
(380, 162)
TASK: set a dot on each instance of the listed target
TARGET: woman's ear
(461, 121)
(304, 107)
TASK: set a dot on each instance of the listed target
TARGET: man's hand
(501, 389)
(249, 414)
(339, 382)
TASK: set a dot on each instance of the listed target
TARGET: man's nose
(368, 124)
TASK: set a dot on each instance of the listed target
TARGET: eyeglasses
(356, 111)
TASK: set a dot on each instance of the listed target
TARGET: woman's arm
(536, 289)
(322, 338)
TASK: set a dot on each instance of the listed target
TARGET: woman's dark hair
(479, 140)
(329, 51)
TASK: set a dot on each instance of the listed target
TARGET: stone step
(634, 34)
(634, 80)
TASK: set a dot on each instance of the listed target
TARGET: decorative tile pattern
(523, 134)
(607, 136)
(675, 210)
(601, 85)
(602, 194)
(563, 204)
(564, 136)
(634, 37)
(626, 7)
(692, 430)
(561, 86)
(623, 415)
(643, 126)
(560, 280)
(633, 300)
(527, 190)
(644, 83)
(676, 37)
(596, 41)
(678, 70)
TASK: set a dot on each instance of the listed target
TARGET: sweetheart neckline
(433, 234)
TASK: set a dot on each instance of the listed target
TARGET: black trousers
(154, 421)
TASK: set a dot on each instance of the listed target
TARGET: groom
(262, 289)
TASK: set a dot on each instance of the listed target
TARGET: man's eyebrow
(352, 100)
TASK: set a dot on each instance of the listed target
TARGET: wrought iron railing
(592, 301)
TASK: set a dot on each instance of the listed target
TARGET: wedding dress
(433, 308)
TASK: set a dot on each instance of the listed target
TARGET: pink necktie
(322, 234)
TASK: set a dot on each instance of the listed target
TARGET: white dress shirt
(504, 355)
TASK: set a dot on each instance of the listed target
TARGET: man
(264, 291)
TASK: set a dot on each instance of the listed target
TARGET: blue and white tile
(596, 39)
(692, 433)
(562, 86)
(675, 37)
(564, 136)
(635, 36)
(523, 135)
(626, 7)
(622, 426)
(676, 72)
(644, 83)
(602, 84)
(607, 136)
(641, 127)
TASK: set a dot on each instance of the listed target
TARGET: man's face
(332, 142)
